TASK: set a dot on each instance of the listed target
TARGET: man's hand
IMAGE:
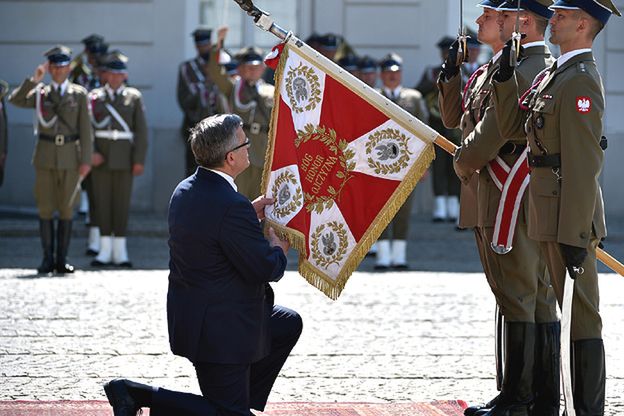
(137, 169)
(450, 67)
(40, 72)
(259, 204)
(97, 159)
(505, 70)
(84, 170)
(573, 257)
(275, 241)
(221, 34)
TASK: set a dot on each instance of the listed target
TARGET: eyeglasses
(246, 143)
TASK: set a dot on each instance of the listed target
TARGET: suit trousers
(112, 191)
(586, 320)
(53, 190)
(518, 279)
(398, 229)
(233, 389)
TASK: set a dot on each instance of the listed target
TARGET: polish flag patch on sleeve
(583, 104)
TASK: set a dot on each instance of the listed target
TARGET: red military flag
(341, 161)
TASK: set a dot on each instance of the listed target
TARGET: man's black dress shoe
(120, 399)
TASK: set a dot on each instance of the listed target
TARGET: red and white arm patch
(583, 104)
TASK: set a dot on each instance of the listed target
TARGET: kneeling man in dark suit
(219, 305)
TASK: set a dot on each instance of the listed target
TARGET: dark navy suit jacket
(219, 301)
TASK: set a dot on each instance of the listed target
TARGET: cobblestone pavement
(412, 336)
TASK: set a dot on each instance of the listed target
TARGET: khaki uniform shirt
(565, 118)
(253, 103)
(119, 154)
(198, 96)
(474, 118)
(72, 119)
(484, 142)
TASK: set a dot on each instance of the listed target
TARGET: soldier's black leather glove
(450, 67)
(505, 70)
(573, 258)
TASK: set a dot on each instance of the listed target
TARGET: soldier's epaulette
(97, 93)
(131, 91)
(79, 88)
(581, 67)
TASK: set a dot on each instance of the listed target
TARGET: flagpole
(264, 21)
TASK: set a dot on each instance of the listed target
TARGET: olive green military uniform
(412, 101)
(565, 202)
(4, 89)
(122, 144)
(513, 277)
(518, 279)
(253, 103)
(62, 145)
(198, 97)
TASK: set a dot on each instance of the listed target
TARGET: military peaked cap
(116, 62)
(391, 62)
(349, 62)
(367, 65)
(59, 55)
(599, 9)
(98, 48)
(490, 4)
(250, 55)
(202, 36)
(328, 41)
(92, 39)
(539, 7)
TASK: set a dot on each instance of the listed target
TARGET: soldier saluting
(62, 153)
(118, 118)
(198, 96)
(561, 116)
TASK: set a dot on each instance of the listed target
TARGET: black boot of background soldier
(63, 236)
(46, 233)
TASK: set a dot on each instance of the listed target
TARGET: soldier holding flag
(62, 153)
(511, 261)
(561, 116)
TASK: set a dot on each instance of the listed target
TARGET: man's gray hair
(213, 138)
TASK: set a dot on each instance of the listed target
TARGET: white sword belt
(114, 135)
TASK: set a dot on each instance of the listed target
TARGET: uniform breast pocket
(544, 120)
(545, 194)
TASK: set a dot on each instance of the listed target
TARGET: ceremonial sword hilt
(514, 56)
(462, 52)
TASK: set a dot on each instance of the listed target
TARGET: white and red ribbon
(512, 182)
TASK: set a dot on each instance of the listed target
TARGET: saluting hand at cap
(40, 72)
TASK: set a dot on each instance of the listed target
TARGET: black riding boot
(46, 232)
(516, 394)
(546, 376)
(589, 377)
(62, 242)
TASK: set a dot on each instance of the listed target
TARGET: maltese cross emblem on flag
(338, 167)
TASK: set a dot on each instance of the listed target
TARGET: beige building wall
(155, 34)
